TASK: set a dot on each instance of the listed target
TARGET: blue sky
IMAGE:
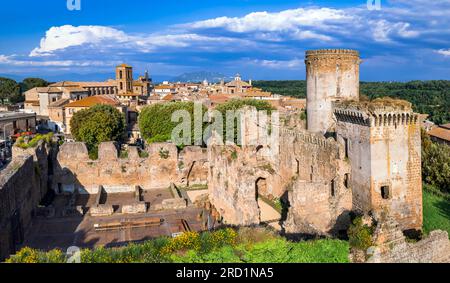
(261, 39)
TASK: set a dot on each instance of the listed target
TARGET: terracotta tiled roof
(445, 126)
(441, 132)
(93, 100)
(168, 97)
(219, 98)
(164, 87)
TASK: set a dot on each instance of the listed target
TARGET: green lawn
(436, 212)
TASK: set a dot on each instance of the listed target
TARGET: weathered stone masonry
(163, 166)
(23, 184)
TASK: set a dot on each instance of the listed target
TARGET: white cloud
(57, 38)
(286, 20)
(384, 30)
(444, 52)
(107, 38)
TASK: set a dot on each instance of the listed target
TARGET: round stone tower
(331, 75)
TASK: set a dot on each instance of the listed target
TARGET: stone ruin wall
(23, 183)
(390, 245)
(233, 174)
(318, 199)
(306, 166)
(163, 166)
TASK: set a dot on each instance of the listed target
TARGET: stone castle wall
(307, 167)
(163, 166)
(23, 183)
(384, 150)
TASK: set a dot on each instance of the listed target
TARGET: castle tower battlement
(377, 113)
(331, 75)
(382, 142)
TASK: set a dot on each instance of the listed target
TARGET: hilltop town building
(53, 107)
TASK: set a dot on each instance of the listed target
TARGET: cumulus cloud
(107, 38)
(57, 38)
(445, 52)
(288, 20)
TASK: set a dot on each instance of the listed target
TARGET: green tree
(435, 163)
(9, 90)
(97, 124)
(30, 83)
(155, 121)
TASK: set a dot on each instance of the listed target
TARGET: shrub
(435, 163)
(360, 235)
(20, 142)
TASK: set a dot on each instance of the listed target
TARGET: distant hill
(212, 77)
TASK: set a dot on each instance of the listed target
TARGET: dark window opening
(346, 147)
(346, 180)
(385, 192)
(333, 188)
(258, 148)
(298, 166)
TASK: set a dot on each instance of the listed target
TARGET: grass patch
(436, 211)
(252, 245)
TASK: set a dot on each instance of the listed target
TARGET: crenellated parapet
(329, 59)
(160, 165)
(376, 113)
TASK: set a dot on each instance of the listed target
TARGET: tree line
(12, 91)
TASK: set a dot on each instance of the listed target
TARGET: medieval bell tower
(124, 78)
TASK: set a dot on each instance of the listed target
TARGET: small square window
(385, 192)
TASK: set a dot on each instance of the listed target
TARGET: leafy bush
(360, 235)
(20, 142)
(435, 163)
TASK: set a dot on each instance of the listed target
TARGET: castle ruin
(352, 156)
(355, 156)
